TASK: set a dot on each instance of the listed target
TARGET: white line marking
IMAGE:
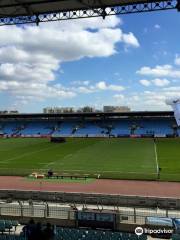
(49, 164)
(56, 161)
(156, 158)
(27, 154)
(97, 172)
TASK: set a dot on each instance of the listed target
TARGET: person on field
(50, 173)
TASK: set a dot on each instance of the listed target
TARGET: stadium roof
(30, 7)
(24, 11)
(87, 115)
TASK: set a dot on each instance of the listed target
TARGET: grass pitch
(109, 158)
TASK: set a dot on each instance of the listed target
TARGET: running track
(119, 187)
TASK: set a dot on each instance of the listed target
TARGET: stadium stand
(121, 127)
(12, 230)
(67, 128)
(8, 229)
(79, 234)
(87, 234)
(28, 128)
(175, 237)
(90, 128)
(116, 126)
(8, 225)
(155, 126)
(10, 237)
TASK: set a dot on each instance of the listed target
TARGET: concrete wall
(99, 199)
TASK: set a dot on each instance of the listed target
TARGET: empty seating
(90, 129)
(175, 237)
(12, 237)
(8, 225)
(121, 127)
(116, 127)
(8, 230)
(160, 126)
(66, 128)
(39, 128)
(86, 234)
(2, 226)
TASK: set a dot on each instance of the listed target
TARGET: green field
(108, 158)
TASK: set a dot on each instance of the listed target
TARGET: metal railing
(62, 212)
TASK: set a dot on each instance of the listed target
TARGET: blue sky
(129, 60)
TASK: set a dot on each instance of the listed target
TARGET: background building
(85, 109)
(116, 109)
(58, 110)
(9, 112)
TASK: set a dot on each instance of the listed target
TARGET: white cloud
(103, 86)
(97, 87)
(143, 101)
(84, 90)
(145, 82)
(86, 83)
(147, 100)
(172, 88)
(130, 39)
(177, 60)
(31, 91)
(160, 82)
(156, 82)
(160, 71)
(118, 97)
(116, 88)
(153, 100)
(31, 56)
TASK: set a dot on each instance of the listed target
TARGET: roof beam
(83, 10)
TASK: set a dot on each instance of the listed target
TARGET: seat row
(8, 225)
(86, 234)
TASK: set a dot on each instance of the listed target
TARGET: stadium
(88, 175)
(96, 145)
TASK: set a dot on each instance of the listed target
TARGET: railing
(61, 212)
(36, 211)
